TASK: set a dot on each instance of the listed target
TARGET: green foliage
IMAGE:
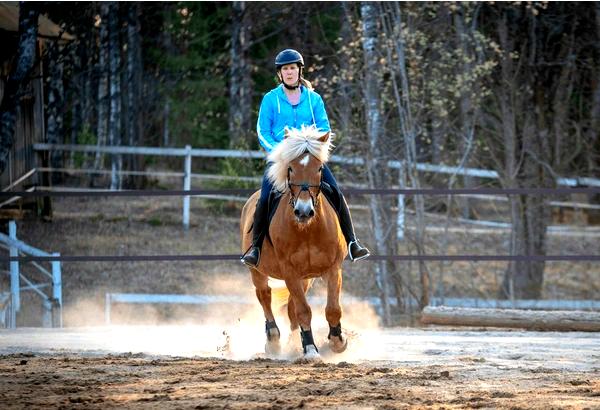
(195, 80)
(85, 137)
(236, 174)
(155, 221)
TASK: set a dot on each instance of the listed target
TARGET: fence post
(15, 286)
(57, 289)
(107, 309)
(400, 217)
(187, 184)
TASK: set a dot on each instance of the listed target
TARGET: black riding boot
(356, 251)
(252, 255)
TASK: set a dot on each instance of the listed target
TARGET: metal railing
(52, 304)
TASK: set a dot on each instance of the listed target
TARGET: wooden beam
(558, 320)
(7, 214)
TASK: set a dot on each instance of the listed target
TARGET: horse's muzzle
(304, 210)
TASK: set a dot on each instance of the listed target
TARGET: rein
(304, 187)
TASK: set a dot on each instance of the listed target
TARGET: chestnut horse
(304, 240)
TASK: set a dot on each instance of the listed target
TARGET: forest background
(512, 87)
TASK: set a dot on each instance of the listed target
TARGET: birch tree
(375, 160)
(396, 57)
(114, 123)
(134, 88)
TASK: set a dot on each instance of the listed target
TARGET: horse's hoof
(273, 347)
(311, 355)
(338, 344)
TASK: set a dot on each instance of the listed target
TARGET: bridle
(304, 187)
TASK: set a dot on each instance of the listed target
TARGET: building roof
(9, 21)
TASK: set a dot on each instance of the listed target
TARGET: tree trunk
(466, 110)
(75, 95)
(55, 129)
(240, 94)
(409, 136)
(529, 213)
(28, 29)
(375, 165)
(103, 101)
(87, 51)
(593, 135)
(114, 124)
(559, 320)
(345, 90)
(134, 80)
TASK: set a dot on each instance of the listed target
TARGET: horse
(304, 240)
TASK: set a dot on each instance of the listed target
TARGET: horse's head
(297, 165)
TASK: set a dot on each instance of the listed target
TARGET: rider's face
(289, 73)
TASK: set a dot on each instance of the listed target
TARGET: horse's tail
(280, 293)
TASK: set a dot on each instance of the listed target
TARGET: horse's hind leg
(263, 294)
(333, 312)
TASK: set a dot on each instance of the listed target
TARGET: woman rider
(292, 104)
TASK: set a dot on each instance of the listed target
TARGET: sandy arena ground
(202, 366)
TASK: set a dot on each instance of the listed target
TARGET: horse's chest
(308, 257)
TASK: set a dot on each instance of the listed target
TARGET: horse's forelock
(298, 141)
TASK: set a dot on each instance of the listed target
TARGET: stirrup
(352, 257)
(249, 258)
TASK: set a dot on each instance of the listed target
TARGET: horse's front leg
(304, 317)
(333, 312)
(263, 293)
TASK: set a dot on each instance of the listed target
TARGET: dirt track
(411, 368)
(129, 381)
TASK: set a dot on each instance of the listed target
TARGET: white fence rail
(222, 153)
(52, 304)
(188, 153)
(143, 298)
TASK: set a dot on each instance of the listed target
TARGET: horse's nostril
(296, 212)
(311, 213)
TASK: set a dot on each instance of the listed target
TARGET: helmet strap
(291, 87)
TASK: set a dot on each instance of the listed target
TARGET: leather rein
(304, 187)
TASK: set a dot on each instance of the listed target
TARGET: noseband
(304, 187)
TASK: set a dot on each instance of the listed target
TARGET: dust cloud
(228, 330)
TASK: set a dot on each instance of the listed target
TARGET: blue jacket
(276, 113)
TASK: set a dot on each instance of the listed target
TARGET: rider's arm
(321, 119)
(264, 125)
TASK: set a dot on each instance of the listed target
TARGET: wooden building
(20, 173)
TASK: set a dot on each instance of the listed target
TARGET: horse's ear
(324, 138)
(286, 132)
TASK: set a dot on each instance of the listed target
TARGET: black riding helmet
(288, 56)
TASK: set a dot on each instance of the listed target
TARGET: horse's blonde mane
(295, 144)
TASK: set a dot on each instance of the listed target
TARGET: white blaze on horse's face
(305, 181)
(304, 161)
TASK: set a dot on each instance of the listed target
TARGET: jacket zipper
(295, 117)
